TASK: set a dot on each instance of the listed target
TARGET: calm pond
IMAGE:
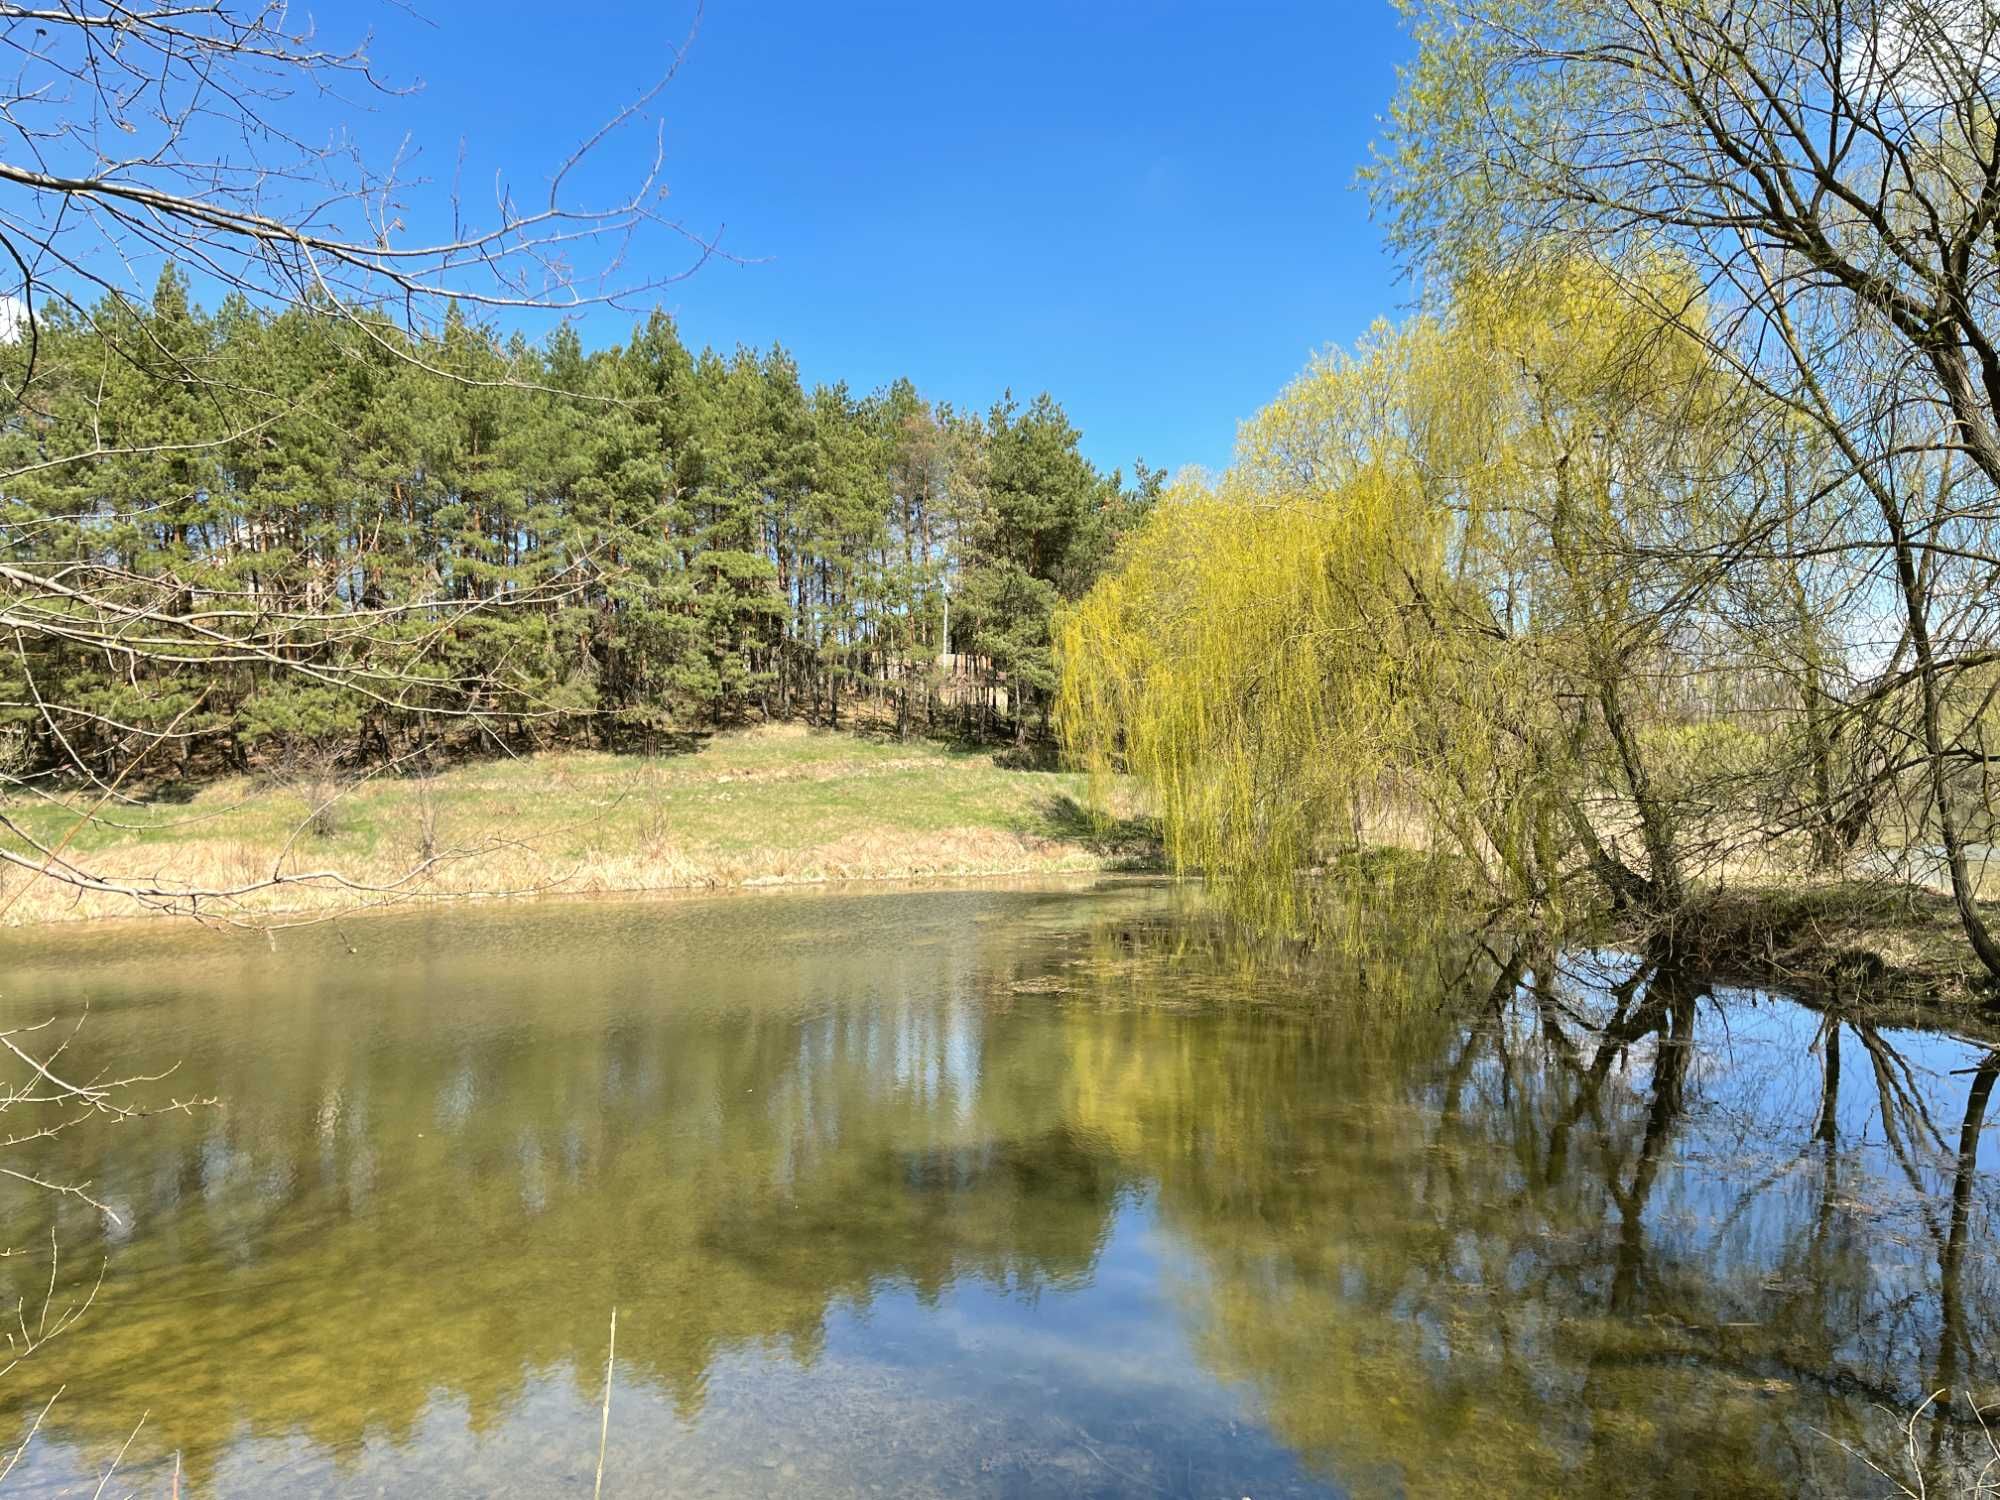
(986, 1192)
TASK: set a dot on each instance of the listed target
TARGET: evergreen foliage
(364, 541)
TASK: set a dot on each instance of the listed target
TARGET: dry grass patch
(1865, 940)
(774, 805)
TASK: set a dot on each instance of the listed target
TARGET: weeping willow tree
(1454, 597)
(1272, 652)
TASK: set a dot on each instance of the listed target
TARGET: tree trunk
(1964, 896)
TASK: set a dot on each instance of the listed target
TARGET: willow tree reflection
(1463, 1225)
(1603, 1234)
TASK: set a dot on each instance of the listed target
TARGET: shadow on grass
(1036, 755)
(954, 739)
(654, 742)
(954, 734)
(1131, 844)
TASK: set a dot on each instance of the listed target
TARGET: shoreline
(434, 903)
(786, 808)
(1906, 967)
(772, 807)
(1862, 946)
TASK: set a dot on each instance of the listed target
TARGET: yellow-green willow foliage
(1422, 610)
(1269, 653)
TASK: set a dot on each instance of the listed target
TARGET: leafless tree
(211, 135)
(159, 131)
(1830, 170)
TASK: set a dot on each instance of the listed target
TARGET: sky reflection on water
(992, 1192)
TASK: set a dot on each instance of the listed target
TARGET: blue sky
(1147, 209)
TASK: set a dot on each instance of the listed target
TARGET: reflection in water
(998, 1192)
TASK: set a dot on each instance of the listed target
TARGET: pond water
(984, 1192)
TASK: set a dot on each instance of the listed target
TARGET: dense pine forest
(257, 533)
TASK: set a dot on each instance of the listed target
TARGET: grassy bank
(774, 805)
(1859, 941)
(783, 804)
